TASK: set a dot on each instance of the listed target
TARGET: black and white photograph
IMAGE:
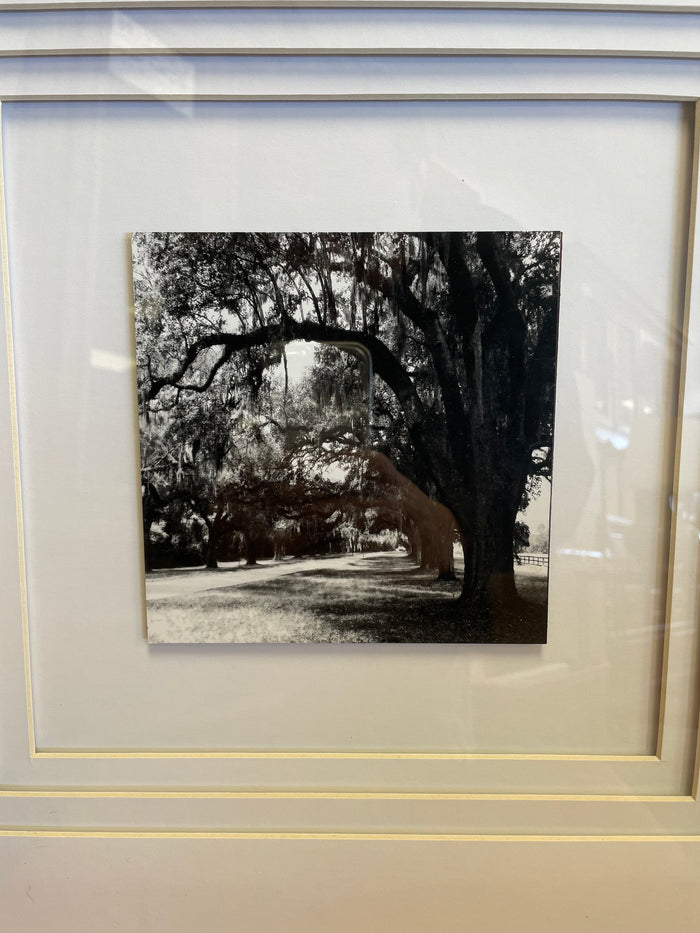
(346, 437)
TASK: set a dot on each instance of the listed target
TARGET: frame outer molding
(52, 74)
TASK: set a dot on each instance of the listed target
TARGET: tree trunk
(212, 546)
(214, 528)
(251, 551)
(489, 596)
(412, 532)
(444, 537)
(437, 533)
(147, 548)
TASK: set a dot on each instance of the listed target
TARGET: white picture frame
(78, 772)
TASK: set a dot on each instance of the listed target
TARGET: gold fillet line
(334, 795)
(15, 451)
(29, 832)
(409, 51)
(577, 6)
(686, 325)
(353, 97)
(329, 756)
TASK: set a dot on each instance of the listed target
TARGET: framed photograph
(253, 261)
(365, 419)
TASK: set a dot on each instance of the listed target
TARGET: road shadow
(388, 600)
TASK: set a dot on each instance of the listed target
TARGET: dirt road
(172, 584)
